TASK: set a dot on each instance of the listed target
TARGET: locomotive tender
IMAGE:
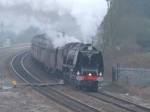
(79, 64)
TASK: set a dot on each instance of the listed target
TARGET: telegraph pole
(1, 32)
(2, 28)
(108, 3)
(106, 40)
(110, 45)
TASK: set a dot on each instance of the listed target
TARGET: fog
(79, 19)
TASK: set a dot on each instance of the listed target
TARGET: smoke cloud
(78, 18)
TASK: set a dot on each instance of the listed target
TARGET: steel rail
(129, 106)
(49, 92)
(56, 96)
(125, 101)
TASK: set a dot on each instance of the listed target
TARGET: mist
(79, 19)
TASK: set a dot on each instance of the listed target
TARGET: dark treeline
(127, 26)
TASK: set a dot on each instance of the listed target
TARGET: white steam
(62, 38)
(78, 18)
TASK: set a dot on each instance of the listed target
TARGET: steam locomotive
(79, 64)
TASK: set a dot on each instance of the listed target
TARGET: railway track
(129, 106)
(49, 92)
(69, 102)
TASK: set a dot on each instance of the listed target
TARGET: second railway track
(131, 107)
(49, 92)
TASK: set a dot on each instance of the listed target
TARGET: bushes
(144, 41)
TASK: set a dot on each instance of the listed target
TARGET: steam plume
(78, 18)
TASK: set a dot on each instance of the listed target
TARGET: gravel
(27, 100)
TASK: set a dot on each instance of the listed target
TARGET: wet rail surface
(49, 92)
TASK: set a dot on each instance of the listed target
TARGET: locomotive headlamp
(100, 74)
(90, 74)
(78, 73)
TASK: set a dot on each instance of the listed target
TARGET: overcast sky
(87, 15)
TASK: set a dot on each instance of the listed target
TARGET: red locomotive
(79, 64)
